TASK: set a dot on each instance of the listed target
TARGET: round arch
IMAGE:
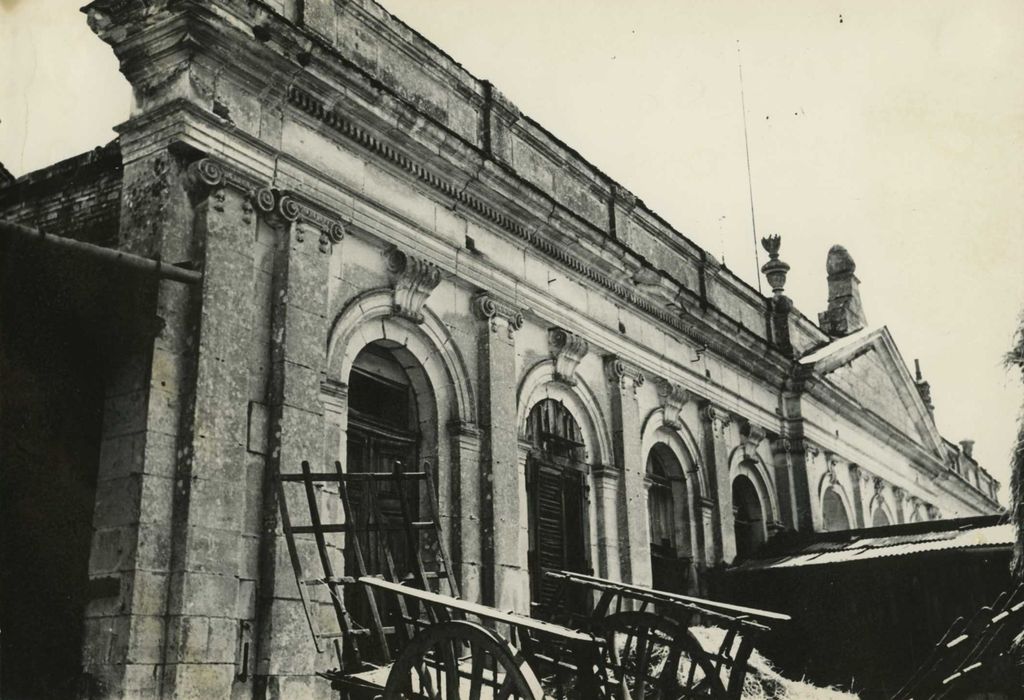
(369, 318)
(881, 514)
(755, 470)
(681, 442)
(539, 383)
(840, 499)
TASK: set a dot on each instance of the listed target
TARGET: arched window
(557, 498)
(669, 520)
(879, 518)
(834, 516)
(748, 516)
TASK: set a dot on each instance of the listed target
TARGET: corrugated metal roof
(865, 548)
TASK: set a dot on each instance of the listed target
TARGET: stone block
(318, 15)
(149, 592)
(301, 436)
(147, 638)
(208, 594)
(141, 681)
(290, 650)
(199, 681)
(153, 547)
(256, 440)
(218, 459)
(213, 551)
(124, 414)
(164, 411)
(112, 550)
(157, 500)
(117, 502)
(121, 456)
(307, 270)
(169, 370)
(217, 504)
(160, 454)
(301, 386)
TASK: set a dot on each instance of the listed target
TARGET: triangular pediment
(868, 369)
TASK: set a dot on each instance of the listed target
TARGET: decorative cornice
(623, 374)
(337, 120)
(494, 310)
(412, 280)
(673, 398)
(567, 349)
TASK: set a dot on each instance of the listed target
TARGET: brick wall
(77, 198)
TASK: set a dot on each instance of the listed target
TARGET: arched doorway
(833, 513)
(556, 478)
(748, 514)
(390, 427)
(668, 515)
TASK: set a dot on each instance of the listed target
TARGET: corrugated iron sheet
(865, 548)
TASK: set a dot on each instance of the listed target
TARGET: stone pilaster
(612, 547)
(130, 554)
(791, 464)
(788, 455)
(505, 581)
(202, 620)
(634, 528)
(287, 660)
(857, 477)
(713, 425)
(465, 551)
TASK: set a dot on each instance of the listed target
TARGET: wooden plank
(663, 596)
(476, 609)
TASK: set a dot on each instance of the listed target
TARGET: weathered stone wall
(343, 182)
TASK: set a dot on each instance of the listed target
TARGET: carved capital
(605, 473)
(879, 484)
(281, 209)
(567, 349)
(623, 374)
(673, 398)
(497, 312)
(899, 493)
(812, 450)
(412, 280)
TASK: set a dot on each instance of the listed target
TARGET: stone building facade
(397, 264)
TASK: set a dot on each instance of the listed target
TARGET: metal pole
(109, 255)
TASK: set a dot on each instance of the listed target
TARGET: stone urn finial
(774, 270)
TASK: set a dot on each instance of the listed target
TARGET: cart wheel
(457, 659)
(655, 658)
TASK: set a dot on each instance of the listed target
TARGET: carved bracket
(495, 312)
(752, 435)
(412, 279)
(567, 349)
(623, 374)
(716, 417)
(673, 398)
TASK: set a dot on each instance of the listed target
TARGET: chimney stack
(844, 315)
(968, 448)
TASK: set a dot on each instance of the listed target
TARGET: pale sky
(896, 129)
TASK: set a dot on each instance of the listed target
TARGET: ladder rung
(332, 579)
(314, 529)
(354, 476)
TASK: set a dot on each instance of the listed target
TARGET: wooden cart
(374, 578)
